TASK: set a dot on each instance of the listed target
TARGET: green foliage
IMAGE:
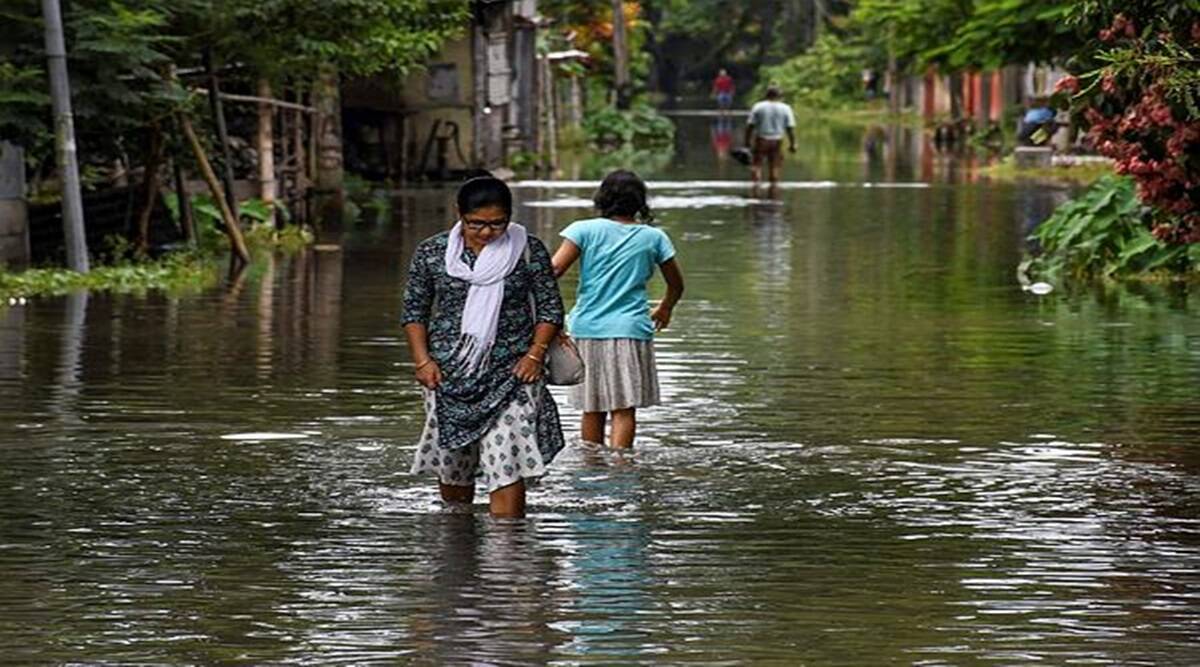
(120, 53)
(360, 37)
(914, 30)
(523, 162)
(1103, 233)
(692, 39)
(965, 34)
(181, 271)
(640, 126)
(828, 75)
(1002, 32)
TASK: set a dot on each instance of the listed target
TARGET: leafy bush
(1104, 232)
(642, 126)
(826, 75)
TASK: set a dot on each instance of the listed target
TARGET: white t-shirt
(771, 120)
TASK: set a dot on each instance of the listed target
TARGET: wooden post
(236, 242)
(218, 113)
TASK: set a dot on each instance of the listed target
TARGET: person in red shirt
(723, 89)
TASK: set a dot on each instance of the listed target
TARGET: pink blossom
(1067, 83)
(1121, 23)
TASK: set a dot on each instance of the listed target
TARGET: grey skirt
(619, 373)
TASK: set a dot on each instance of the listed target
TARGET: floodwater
(876, 448)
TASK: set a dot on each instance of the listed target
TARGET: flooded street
(875, 448)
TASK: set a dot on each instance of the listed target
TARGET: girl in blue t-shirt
(612, 322)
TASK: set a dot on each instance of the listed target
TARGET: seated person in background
(1037, 125)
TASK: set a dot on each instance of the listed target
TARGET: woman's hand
(429, 374)
(529, 369)
(661, 316)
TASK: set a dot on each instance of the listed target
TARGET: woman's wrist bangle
(537, 359)
(544, 346)
(423, 364)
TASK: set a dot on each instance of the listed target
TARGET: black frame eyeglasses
(479, 225)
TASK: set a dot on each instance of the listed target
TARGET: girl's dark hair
(482, 191)
(623, 193)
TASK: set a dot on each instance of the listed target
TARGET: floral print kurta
(468, 404)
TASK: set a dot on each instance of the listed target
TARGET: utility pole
(64, 138)
(621, 54)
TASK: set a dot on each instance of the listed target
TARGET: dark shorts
(724, 100)
(770, 150)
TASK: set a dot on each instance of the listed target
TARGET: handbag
(564, 364)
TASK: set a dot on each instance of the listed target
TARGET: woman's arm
(564, 257)
(418, 308)
(548, 311)
(674, 277)
(429, 374)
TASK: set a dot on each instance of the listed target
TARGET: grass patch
(1084, 173)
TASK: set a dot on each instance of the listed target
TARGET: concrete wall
(14, 218)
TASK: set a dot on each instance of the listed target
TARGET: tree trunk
(186, 222)
(956, 96)
(300, 155)
(551, 113)
(265, 145)
(621, 55)
(237, 244)
(329, 129)
(576, 111)
(769, 13)
(154, 155)
(893, 76)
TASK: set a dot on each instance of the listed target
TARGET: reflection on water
(874, 444)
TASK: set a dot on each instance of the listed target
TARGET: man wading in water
(769, 120)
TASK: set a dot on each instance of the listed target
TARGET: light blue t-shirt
(616, 261)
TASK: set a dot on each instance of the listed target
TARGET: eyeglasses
(479, 225)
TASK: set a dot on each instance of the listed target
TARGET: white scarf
(481, 314)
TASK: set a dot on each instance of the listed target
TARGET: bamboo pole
(236, 241)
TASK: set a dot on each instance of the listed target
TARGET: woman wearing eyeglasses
(479, 319)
